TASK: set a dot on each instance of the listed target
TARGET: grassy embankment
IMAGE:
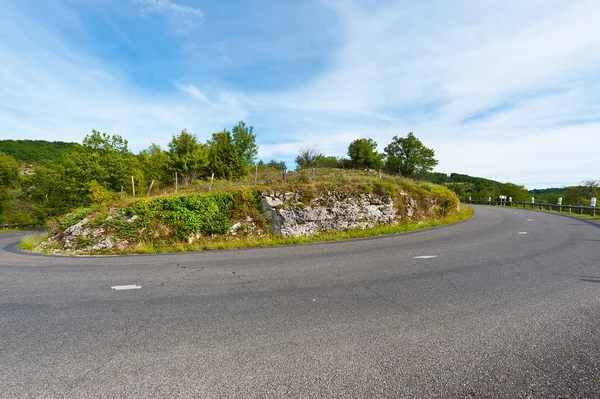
(165, 223)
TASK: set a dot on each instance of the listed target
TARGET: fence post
(255, 174)
(150, 189)
(176, 183)
(211, 182)
(132, 186)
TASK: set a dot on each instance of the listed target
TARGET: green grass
(272, 241)
(573, 212)
(578, 215)
(163, 222)
(31, 241)
(8, 230)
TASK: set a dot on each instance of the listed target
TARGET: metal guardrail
(20, 226)
(588, 210)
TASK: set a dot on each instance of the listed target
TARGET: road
(472, 310)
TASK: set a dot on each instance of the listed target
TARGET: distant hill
(478, 188)
(36, 151)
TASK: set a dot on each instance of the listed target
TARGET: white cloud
(193, 91)
(425, 67)
(182, 19)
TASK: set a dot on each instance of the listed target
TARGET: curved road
(494, 314)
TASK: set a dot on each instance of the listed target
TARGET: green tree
(592, 187)
(155, 163)
(245, 142)
(67, 183)
(408, 156)
(224, 158)
(9, 171)
(514, 191)
(308, 157)
(363, 154)
(575, 196)
(188, 157)
(278, 165)
(9, 178)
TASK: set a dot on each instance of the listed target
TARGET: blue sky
(504, 89)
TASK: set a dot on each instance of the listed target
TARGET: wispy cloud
(181, 18)
(510, 92)
(193, 91)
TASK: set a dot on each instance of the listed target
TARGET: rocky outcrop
(289, 217)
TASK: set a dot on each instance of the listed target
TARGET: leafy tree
(188, 157)
(409, 157)
(67, 183)
(155, 163)
(278, 165)
(330, 162)
(514, 191)
(308, 157)
(363, 154)
(9, 171)
(245, 142)
(224, 158)
(36, 151)
(104, 142)
(9, 177)
(592, 187)
(575, 196)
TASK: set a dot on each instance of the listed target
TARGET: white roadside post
(593, 205)
(559, 204)
(532, 202)
(503, 200)
(510, 200)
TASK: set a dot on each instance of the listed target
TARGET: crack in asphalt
(244, 284)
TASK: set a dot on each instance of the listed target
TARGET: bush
(74, 217)
(190, 214)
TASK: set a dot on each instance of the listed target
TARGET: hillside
(36, 151)
(300, 209)
(478, 188)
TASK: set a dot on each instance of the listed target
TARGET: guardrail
(20, 226)
(588, 210)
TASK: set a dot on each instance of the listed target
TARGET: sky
(503, 89)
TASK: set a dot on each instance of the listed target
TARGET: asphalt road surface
(473, 310)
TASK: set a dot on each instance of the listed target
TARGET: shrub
(190, 214)
(74, 217)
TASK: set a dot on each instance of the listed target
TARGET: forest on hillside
(41, 180)
(36, 151)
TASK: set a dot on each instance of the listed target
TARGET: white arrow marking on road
(522, 232)
(425, 257)
(126, 287)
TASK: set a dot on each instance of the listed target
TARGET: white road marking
(522, 232)
(126, 287)
(425, 257)
(529, 220)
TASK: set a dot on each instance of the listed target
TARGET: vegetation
(363, 154)
(409, 157)
(36, 151)
(200, 219)
(41, 181)
(32, 241)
